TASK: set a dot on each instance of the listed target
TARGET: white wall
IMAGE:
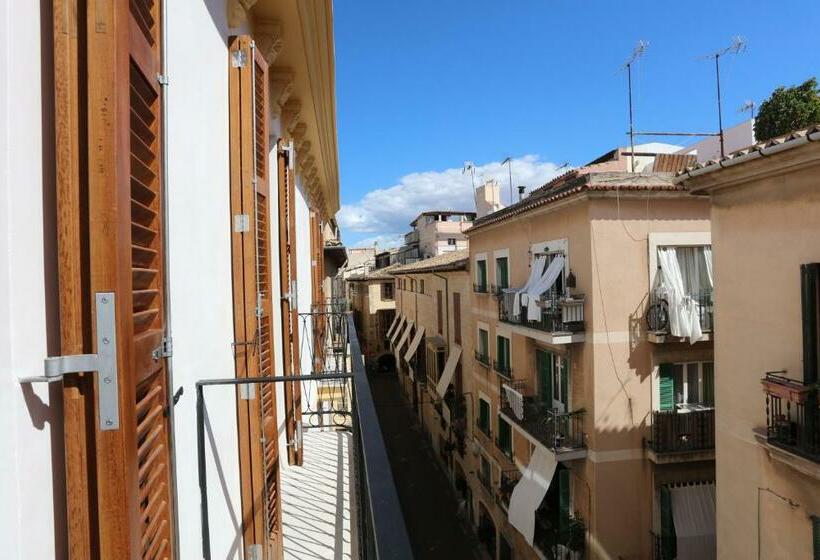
(32, 488)
(305, 289)
(199, 231)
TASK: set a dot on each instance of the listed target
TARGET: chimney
(521, 189)
(488, 198)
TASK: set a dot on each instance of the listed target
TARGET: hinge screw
(109, 423)
(107, 380)
(106, 340)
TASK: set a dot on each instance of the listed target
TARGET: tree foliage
(788, 109)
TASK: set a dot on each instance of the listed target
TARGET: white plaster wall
(31, 462)
(304, 288)
(199, 230)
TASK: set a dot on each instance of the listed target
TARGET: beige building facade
(373, 302)
(765, 205)
(584, 371)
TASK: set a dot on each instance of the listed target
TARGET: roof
(383, 273)
(585, 179)
(443, 212)
(760, 149)
(449, 261)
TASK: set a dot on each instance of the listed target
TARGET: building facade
(373, 303)
(434, 233)
(765, 202)
(592, 365)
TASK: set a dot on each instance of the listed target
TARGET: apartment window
(686, 385)
(682, 293)
(483, 351)
(413, 285)
(421, 286)
(553, 380)
(387, 290)
(504, 437)
(502, 273)
(481, 276)
(457, 317)
(502, 355)
(484, 416)
(436, 359)
(451, 241)
(486, 472)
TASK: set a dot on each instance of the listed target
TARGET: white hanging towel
(535, 273)
(529, 492)
(693, 513)
(542, 285)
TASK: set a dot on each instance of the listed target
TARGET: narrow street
(427, 499)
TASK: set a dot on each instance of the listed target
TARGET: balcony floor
(316, 500)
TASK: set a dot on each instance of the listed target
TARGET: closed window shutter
(563, 502)
(810, 301)
(504, 436)
(457, 317)
(251, 249)
(667, 386)
(815, 531)
(709, 383)
(440, 311)
(502, 278)
(484, 415)
(668, 538)
(544, 365)
(565, 383)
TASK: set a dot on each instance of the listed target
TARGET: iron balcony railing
(559, 538)
(381, 530)
(509, 479)
(480, 288)
(558, 431)
(657, 313)
(503, 369)
(674, 431)
(558, 314)
(792, 415)
(482, 357)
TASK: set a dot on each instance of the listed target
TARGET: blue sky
(424, 85)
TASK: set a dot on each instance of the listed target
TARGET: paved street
(428, 502)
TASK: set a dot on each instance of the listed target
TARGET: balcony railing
(558, 314)
(381, 530)
(559, 431)
(792, 415)
(559, 539)
(503, 369)
(663, 547)
(480, 288)
(509, 479)
(674, 432)
(483, 358)
(657, 314)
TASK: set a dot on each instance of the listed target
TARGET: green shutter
(482, 273)
(709, 383)
(667, 385)
(502, 278)
(815, 528)
(484, 415)
(544, 363)
(504, 436)
(565, 383)
(669, 545)
(563, 503)
(483, 342)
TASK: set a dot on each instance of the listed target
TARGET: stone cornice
(268, 37)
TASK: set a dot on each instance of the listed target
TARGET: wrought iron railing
(792, 415)
(559, 431)
(509, 479)
(381, 530)
(674, 431)
(556, 313)
(657, 313)
(503, 369)
(559, 539)
(482, 357)
(662, 547)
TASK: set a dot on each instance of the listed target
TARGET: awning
(393, 326)
(449, 371)
(693, 513)
(396, 332)
(529, 492)
(414, 345)
(404, 336)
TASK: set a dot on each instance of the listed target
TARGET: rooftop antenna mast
(508, 162)
(749, 106)
(469, 167)
(738, 46)
(637, 53)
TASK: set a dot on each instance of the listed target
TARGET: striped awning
(414, 346)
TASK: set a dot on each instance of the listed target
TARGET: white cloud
(387, 241)
(387, 212)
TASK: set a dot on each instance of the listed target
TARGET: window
(553, 380)
(502, 355)
(483, 351)
(413, 285)
(440, 311)
(686, 385)
(435, 363)
(504, 437)
(484, 416)
(451, 241)
(421, 286)
(502, 274)
(457, 317)
(486, 472)
(481, 276)
(387, 290)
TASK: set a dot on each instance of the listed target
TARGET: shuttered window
(251, 256)
(544, 364)
(440, 311)
(668, 538)
(484, 416)
(502, 277)
(667, 386)
(457, 317)
(564, 506)
(815, 531)
(810, 301)
(504, 437)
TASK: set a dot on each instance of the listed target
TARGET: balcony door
(553, 380)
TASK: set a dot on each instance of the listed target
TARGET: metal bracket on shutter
(104, 363)
(247, 391)
(254, 552)
(241, 223)
(164, 350)
(162, 79)
(291, 296)
(239, 58)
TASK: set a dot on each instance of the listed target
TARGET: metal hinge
(241, 223)
(162, 79)
(239, 58)
(247, 391)
(254, 552)
(164, 350)
(291, 296)
(104, 363)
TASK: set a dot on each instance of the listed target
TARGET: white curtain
(536, 270)
(693, 512)
(684, 312)
(529, 492)
(542, 285)
(707, 258)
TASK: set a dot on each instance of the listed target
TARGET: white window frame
(501, 253)
(656, 402)
(673, 239)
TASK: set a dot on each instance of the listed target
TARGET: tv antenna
(737, 46)
(508, 162)
(637, 53)
(749, 106)
(469, 167)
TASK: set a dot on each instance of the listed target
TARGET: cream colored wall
(762, 233)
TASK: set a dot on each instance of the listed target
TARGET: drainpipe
(169, 370)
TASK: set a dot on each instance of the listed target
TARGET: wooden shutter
(457, 317)
(565, 383)
(544, 363)
(440, 312)
(108, 121)
(290, 312)
(666, 380)
(251, 271)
